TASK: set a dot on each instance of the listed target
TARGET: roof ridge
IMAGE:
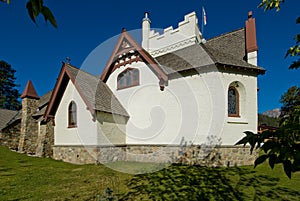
(84, 71)
(224, 34)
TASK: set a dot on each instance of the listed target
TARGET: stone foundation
(193, 155)
(89, 154)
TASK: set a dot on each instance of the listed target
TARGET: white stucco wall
(190, 109)
(86, 131)
(252, 58)
(247, 88)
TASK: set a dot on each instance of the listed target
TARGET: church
(175, 97)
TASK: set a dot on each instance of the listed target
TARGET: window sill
(236, 120)
(126, 87)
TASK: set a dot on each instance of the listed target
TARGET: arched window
(72, 120)
(233, 102)
(128, 78)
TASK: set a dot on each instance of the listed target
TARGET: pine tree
(8, 93)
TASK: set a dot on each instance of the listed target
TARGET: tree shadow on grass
(184, 182)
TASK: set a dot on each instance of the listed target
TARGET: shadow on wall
(205, 154)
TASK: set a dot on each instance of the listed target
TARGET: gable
(127, 51)
(95, 94)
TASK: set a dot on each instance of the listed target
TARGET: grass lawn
(29, 178)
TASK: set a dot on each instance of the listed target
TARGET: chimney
(251, 45)
(146, 31)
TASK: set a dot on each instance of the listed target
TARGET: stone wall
(193, 155)
(10, 136)
(216, 156)
(89, 154)
(45, 140)
(29, 127)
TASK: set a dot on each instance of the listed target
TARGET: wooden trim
(126, 62)
(234, 115)
(87, 103)
(146, 57)
(70, 114)
(57, 93)
(240, 69)
(133, 83)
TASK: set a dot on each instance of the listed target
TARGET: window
(128, 78)
(72, 115)
(233, 102)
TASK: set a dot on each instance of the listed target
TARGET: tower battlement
(187, 33)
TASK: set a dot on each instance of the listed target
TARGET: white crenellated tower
(187, 34)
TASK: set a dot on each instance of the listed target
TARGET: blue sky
(37, 52)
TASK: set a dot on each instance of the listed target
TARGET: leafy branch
(283, 145)
(293, 51)
(35, 8)
(271, 4)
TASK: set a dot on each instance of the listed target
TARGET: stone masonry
(45, 140)
(29, 127)
(10, 136)
(192, 155)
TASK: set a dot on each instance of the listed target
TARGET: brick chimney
(251, 45)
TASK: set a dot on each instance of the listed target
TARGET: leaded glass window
(72, 115)
(128, 78)
(233, 102)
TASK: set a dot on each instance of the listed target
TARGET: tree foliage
(8, 93)
(35, 8)
(271, 4)
(293, 51)
(269, 121)
(283, 145)
(290, 101)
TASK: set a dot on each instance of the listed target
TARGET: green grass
(29, 178)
